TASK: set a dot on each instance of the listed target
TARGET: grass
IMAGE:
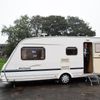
(2, 62)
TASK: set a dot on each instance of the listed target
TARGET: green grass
(2, 62)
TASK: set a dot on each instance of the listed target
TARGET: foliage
(2, 62)
(36, 25)
(16, 33)
(77, 27)
(54, 25)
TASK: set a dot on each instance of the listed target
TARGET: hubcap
(65, 79)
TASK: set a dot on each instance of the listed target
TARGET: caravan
(60, 58)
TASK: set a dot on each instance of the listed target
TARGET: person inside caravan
(86, 57)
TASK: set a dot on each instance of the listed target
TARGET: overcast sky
(88, 10)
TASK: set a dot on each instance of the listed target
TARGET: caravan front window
(32, 53)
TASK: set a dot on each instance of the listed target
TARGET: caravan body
(52, 58)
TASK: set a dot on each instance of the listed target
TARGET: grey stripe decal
(77, 68)
(31, 70)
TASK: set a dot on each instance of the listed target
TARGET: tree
(25, 27)
(77, 27)
(36, 25)
(16, 33)
(54, 25)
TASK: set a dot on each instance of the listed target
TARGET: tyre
(65, 78)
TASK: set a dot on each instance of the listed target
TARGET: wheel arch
(68, 73)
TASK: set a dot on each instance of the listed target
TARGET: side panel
(96, 58)
(21, 70)
(31, 75)
(75, 62)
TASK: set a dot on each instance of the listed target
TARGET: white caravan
(52, 58)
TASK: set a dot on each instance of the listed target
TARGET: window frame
(75, 51)
(33, 48)
(96, 50)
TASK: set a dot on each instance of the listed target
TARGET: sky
(88, 10)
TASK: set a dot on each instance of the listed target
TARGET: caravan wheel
(65, 78)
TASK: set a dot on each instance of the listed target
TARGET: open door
(96, 58)
(88, 55)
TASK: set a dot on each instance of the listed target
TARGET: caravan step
(93, 79)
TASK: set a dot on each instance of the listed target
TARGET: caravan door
(96, 57)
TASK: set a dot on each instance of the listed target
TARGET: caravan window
(71, 51)
(32, 53)
(97, 47)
